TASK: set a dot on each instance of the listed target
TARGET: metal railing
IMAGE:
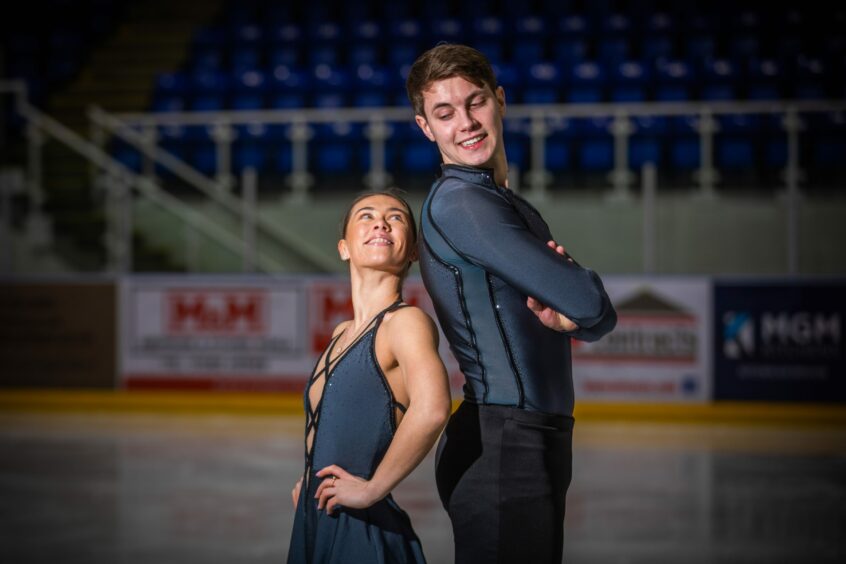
(119, 185)
(140, 131)
(538, 122)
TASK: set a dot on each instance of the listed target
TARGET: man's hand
(548, 316)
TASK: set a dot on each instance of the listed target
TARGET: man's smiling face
(465, 121)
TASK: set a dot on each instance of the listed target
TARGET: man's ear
(424, 126)
(500, 98)
(343, 250)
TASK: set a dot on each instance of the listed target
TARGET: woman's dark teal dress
(352, 426)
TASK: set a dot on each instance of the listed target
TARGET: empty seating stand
(326, 54)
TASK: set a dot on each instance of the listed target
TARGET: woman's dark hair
(391, 193)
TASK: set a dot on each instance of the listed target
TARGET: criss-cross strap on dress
(351, 417)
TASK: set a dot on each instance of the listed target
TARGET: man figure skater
(508, 299)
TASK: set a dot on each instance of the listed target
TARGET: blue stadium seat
(365, 30)
(288, 55)
(247, 35)
(509, 78)
(809, 83)
(286, 33)
(559, 144)
(542, 83)
(744, 47)
(446, 29)
(207, 59)
(574, 26)
(828, 139)
(371, 86)
(331, 86)
(209, 90)
(249, 149)
(489, 28)
(568, 52)
(529, 40)
(391, 152)
(613, 51)
(322, 31)
(364, 53)
(170, 91)
(764, 79)
(616, 24)
(658, 23)
(249, 90)
(405, 38)
(684, 153)
(405, 31)
(789, 47)
(628, 81)
(402, 53)
(337, 156)
(657, 46)
(645, 149)
(745, 20)
(525, 50)
(719, 79)
(210, 37)
(699, 47)
(289, 88)
(127, 156)
(587, 82)
(325, 43)
(596, 154)
(418, 155)
(172, 138)
(245, 58)
(674, 80)
(335, 152)
(399, 96)
(168, 103)
(204, 158)
(734, 152)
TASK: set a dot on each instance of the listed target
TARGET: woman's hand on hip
(340, 488)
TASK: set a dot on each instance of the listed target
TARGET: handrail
(620, 127)
(318, 115)
(210, 188)
(143, 185)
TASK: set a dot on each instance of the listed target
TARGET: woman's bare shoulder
(410, 319)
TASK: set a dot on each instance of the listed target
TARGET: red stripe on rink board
(228, 383)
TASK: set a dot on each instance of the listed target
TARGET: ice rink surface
(165, 488)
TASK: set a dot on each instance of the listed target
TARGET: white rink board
(659, 351)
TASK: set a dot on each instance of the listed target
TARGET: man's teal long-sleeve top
(483, 251)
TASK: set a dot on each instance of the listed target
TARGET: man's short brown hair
(446, 61)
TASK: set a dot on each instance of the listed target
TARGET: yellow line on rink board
(266, 403)
(263, 403)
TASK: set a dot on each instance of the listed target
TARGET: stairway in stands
(153, 37)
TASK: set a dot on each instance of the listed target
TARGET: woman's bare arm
(413, 339)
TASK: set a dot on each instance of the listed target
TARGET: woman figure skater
(375, 404)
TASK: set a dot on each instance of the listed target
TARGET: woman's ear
(343, 251)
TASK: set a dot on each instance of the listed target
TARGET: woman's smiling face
(378, 235)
